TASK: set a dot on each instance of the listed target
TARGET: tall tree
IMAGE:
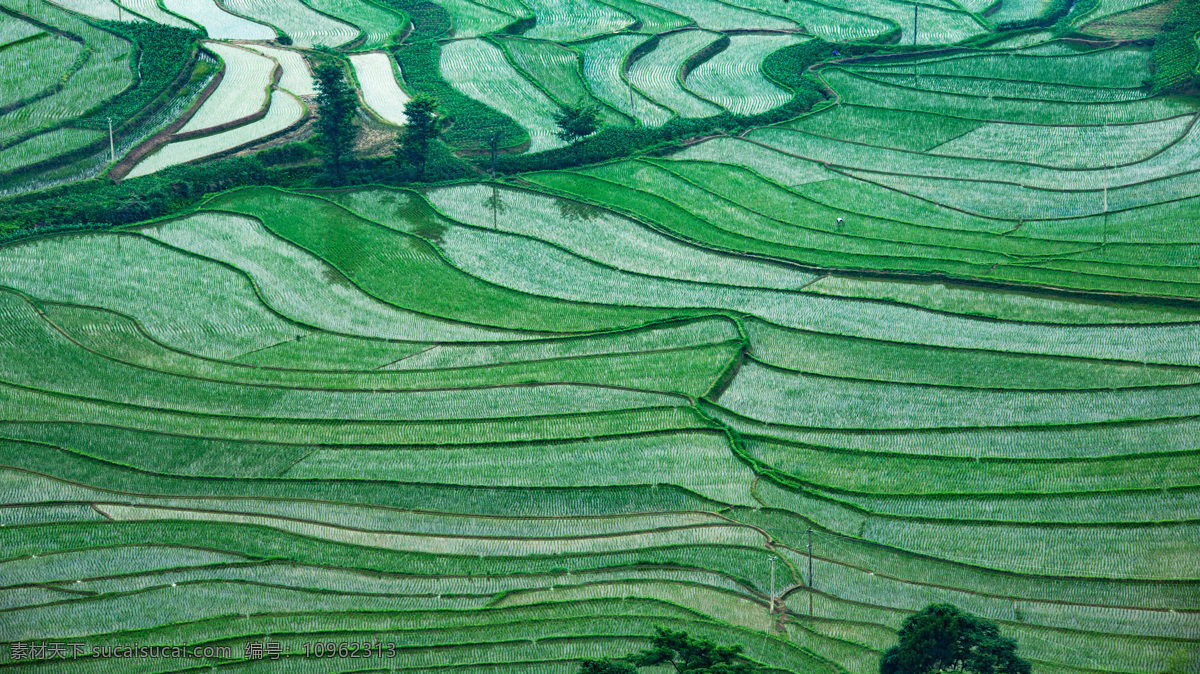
(577, 121)
(943, 637)
(338, 106)
(421, 126)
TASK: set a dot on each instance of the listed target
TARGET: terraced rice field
(733, 79)
(381, 93)
(220, 24)
(284, 110)
(659, 74)
(780, 383)
(478, 70)
(297, 20)
(244, 90)
(296, 78)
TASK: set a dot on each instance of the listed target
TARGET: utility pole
(915, 6)
(632, 111)
(773, 584)
(810, 578)
(112, 147)
(495, 141)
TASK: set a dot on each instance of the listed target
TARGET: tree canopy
(577, 121)
(335, 127)
(683, 652)
(421, 118)
(944, 637)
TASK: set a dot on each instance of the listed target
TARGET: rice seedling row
(1070, 147)
(105, 73)
(557, 70)
(1096, 551)
(234, 320)
(592, 233)
(699, 462)
(43, 407)
(653, 19)
(17, 84)
(342, 499)
(685, 369)
(106, 10)
(856, 89)
(297, 284)
(972, 86)
(745, 563)
(45, 146)
(604, 69)
(822, 20)
(853, 358)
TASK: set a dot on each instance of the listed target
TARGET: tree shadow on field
(576, 211)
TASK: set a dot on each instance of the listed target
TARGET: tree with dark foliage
(943, 637)
(577, 121)
(682, 652)
(607, 666)
(335, 127)
(421, 122)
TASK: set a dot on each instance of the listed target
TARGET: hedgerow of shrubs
(162, 53)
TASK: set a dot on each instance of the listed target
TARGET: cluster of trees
(939, 639)
(337, 132)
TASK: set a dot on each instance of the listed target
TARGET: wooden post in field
(810, 577)
(112, 147)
